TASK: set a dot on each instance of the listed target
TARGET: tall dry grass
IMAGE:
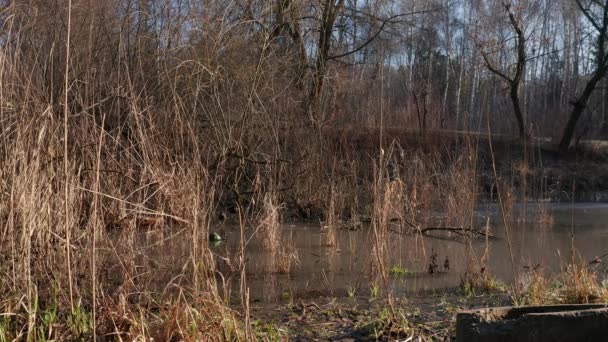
(90, 164)
(113, 130)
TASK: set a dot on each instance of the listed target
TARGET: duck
(215, 237)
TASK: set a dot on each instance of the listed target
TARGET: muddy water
(325, 271)
(347, 268)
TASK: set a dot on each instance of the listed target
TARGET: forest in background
(417, 65)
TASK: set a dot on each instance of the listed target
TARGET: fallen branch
(457, 230)
(462, 231)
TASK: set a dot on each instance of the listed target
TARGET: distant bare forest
(419, 65)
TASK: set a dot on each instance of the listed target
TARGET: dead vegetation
(577, 282)
(117, 120)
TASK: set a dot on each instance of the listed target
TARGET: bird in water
(446, 264)
(215, 237)
(433, 264)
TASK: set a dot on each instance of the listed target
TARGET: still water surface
(338, 271)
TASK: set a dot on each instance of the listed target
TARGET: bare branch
(587, 13)
(384, 22)
(494, 69)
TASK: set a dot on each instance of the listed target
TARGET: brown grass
(580, 284)
(115, 138)
(269, 233)
(576, 283)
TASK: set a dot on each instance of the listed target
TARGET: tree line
(531, 67)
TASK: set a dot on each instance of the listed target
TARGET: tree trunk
(515, 80)
(579, 108)
(598, 74)
(514, 95)
(328, 19)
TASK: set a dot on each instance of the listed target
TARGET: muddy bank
(337, 172)
(536, 172)
(431, 317)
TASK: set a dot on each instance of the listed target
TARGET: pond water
(338, 271)
(346, 269)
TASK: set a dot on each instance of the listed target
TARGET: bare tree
(515, 79)
(330, 11)
(596, 13)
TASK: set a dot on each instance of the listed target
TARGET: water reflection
(346, 269)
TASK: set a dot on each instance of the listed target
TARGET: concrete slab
(553, 323)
